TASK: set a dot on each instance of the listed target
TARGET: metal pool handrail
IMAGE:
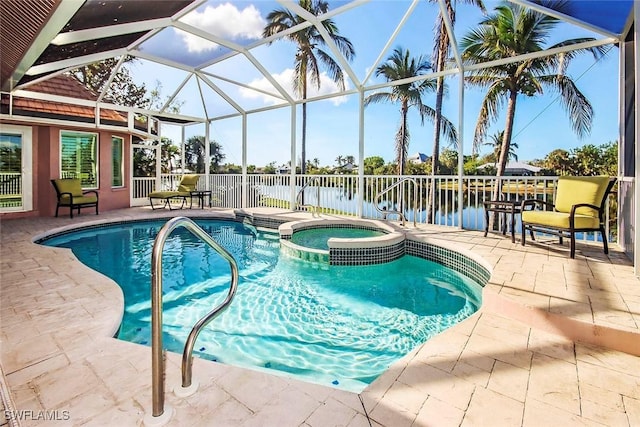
(391, 187)
(316, 208)
(157, 361)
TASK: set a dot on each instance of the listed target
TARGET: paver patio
(543, 350)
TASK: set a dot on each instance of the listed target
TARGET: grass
(285, 204)
(507, 187)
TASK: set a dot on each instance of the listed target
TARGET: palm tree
(194, 153)
(496, 143)
(339, 160)
(309, 55)
(400, 65)
(441, 53)
(216, 156)
(169, 153)
(515, 30)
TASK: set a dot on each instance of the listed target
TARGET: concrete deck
(556, 343)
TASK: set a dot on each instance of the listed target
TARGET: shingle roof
(62, 85)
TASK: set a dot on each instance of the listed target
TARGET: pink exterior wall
(46, 166)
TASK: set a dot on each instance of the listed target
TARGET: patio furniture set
(70, 195)
(186, 189)
(579, 206)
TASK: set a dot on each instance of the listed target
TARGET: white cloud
(226, 21)
(327, 86)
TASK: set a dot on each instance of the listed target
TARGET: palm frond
(333, 68)
(378, 97)
(344, 45)
(493, 101)
(279, 20)
(447, 129)
(578, 106)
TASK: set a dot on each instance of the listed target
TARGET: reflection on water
(346, 200)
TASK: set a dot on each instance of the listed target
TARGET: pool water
(340, 326)
(317, 238)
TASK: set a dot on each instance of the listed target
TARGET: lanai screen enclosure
(55, 36)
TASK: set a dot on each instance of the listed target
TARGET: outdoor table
(502, 207)
(200, 194)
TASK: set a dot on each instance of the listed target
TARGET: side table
(200, 194)
(504, 207)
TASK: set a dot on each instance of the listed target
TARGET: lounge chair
(185, 187)
(70, 194)
(579, 207)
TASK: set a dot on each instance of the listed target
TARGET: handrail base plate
(161, 420)
(180, 391)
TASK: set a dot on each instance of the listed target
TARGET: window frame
(115, 139)
(96, 153)
(26, 141)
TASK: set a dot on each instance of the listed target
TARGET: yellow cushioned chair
(579, 207)
(186, 185)
(70, 194)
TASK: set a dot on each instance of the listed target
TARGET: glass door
(15, 169)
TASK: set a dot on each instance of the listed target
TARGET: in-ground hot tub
(342, 241)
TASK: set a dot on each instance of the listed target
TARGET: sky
(541, 124)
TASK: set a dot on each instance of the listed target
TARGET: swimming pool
(340, 326)
(318, 238)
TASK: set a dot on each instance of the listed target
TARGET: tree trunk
(506, 140)
(401, 152)
(504, 153)
(435, 156)
(403, 136)
(303, 154)
(443, 48)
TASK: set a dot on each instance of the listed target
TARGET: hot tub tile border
(450, 258)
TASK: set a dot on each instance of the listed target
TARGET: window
(117, 152)
(15, 169)
(79, 157)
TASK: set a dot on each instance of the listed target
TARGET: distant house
(347, 167)
(283, 170)
(513, 168)
(418, 158)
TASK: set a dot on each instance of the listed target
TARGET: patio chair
(187, 184)
(579, 207)
(70, 194)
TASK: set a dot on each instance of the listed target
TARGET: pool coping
(607, 335)
(38, 358)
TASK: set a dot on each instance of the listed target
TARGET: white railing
(226, 190)
(339, 194)
(10, 183)
(10, 189)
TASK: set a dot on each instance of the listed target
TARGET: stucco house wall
(46, 166)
